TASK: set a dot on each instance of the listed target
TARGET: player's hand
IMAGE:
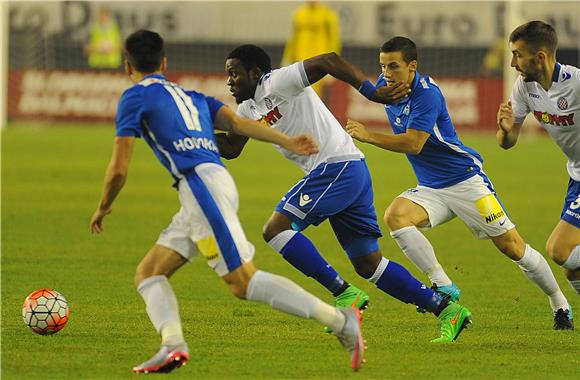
(505, 117)
(357, 131)
(97, 219)
(303, 145)
(391, 94)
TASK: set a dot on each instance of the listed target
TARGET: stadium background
(58, 143)
(49, 78)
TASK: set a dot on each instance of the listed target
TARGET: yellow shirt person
(315, 30)
(104, 48)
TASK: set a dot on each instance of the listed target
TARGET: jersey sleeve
(214, 106)
(129, 113)
(381, 81)
(287, 81)
(424, 111)
(519, 103)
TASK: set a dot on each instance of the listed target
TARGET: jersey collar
(158, 76)
(556, 73)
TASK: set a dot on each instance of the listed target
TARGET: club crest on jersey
(268, 103)
(407, 109)
(560, 120)
(273, 116)
(562, 103)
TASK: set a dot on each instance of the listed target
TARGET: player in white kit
(551, 91)
(337, 185)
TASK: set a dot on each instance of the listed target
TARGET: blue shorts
(571, 210)
(343, 193)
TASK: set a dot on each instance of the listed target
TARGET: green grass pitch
(51, 182)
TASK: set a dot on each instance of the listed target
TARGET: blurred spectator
(492, 64)
(315, 30)
(104, 47)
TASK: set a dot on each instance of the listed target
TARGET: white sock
(162, 308)
(420, 251)
(575, 285)
(536, 268)
(284, 295)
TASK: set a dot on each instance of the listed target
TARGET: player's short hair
(537, 35)
(252, 56)
(402, 44)
(144, 50)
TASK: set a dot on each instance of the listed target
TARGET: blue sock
(303, 255)
(397, 282)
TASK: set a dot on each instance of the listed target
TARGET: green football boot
(452, 320)
(351, 297)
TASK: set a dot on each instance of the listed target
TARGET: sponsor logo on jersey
(532, 95)
(268, 103)
(562, 103)
(273, 116)
(304, 200)
(566, 76)
(192, 143)
(490, 209)
(547, 118)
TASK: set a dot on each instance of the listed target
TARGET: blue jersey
(177, 124)
(444, 160)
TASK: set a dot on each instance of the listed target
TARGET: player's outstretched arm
(227, 120)
(410, 142)
(115, 178)
(508, 130)
(333, 64)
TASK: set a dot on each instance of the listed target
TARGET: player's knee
(365, 266)
(394, 218)
(269, 231)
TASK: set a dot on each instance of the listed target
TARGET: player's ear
(163, 66)
(255, 73)
(128, 67)
(413, 65)
(541, 56)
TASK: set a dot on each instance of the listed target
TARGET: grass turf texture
(52, 180)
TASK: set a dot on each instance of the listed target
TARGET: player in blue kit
(451, 180)
(551, 91)
(178, 125)
(337, 185)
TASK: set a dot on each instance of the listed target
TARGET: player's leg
(311, 201)
(173, 249)
(564, 243)
(474, 201)
(563, 246)
(299, 251)
(357, 231)
(229, 253)
(282, 294)
(403, 216)
(536, 268)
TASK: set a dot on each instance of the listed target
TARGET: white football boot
(165, 360)
(351, 336)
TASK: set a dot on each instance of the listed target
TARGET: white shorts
(207, 222)
(474, 201)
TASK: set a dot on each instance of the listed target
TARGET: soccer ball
(45, 311)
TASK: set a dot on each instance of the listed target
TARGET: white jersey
(557, 110)
(285, 101)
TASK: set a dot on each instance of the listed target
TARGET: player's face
(395, 69)
(525, 62)
(240, 81)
